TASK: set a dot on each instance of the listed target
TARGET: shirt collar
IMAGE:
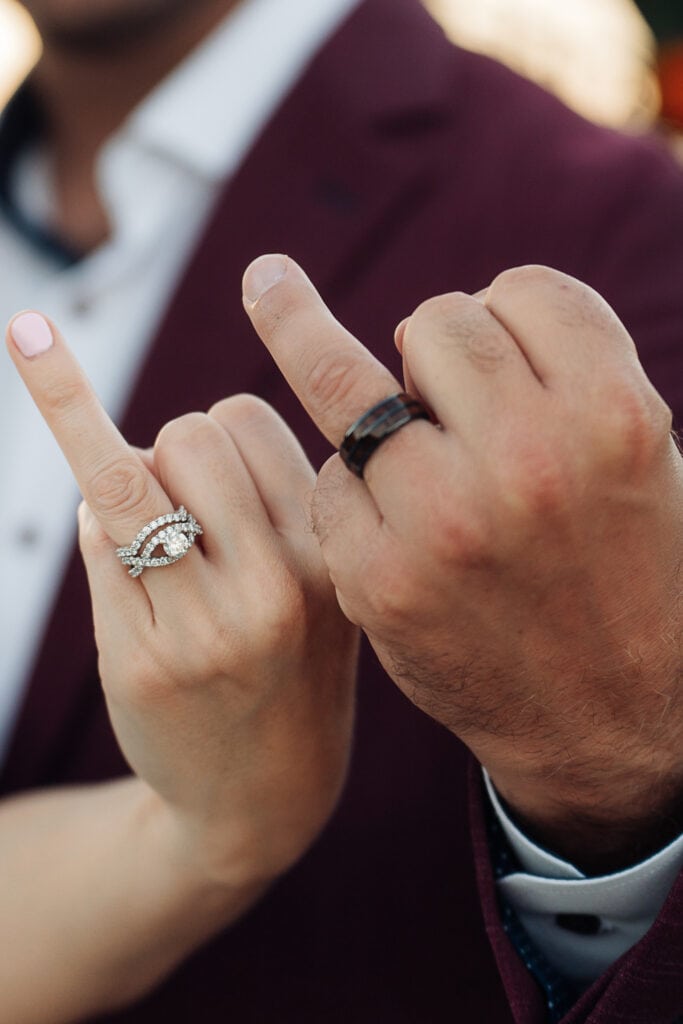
(202, 117)
(21, 125)
(207, 112)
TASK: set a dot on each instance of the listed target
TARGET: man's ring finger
(379, 422)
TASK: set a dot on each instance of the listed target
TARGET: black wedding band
(377, 424)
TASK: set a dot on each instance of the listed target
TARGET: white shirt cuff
(618, 908)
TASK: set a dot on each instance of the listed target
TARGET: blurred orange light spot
(596, 55)
(670, 68)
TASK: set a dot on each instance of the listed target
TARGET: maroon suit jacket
(398, 167)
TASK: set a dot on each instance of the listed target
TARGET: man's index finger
(334, 377)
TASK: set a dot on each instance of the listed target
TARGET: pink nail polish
(31, 334)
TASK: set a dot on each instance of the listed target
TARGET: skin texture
(229, 679)
(517, 569)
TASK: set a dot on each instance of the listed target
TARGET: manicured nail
(31, 334)
(261, 275)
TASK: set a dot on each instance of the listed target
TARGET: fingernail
(261, 275)
(398, 334)
(31, 334)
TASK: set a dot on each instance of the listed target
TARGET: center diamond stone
(176, 543)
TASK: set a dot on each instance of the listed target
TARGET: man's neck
(85, 98)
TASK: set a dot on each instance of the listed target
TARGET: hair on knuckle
(482, 346)
(459, 323)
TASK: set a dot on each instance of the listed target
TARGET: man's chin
(95, 28)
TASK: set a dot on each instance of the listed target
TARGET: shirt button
(81, 307)
(28, 536)
(579, 924)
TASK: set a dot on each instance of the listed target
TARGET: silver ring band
(177, 533)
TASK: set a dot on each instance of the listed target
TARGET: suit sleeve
(644, 986)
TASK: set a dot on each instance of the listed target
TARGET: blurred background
(615, 61)
(18, 46)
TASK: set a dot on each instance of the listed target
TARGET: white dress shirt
(159, 177)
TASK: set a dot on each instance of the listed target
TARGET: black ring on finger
(379, 422)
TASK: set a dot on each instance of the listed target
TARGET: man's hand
(518, 568)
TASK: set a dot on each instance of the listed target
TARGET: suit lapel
(321, 183)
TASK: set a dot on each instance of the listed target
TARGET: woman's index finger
(112, 478)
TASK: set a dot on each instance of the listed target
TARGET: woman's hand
(229, 675)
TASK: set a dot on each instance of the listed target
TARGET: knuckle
(151, 687)
(484, 346)
(180, 430)
(143, 685)
(215, 642)
(441, 307)
(436, 319)
(457, 321)
(535, 482)
(543, 491)
(535, 276)
(64, 394)
(333, 379)
(239, 407)
(286, 614)
(118, 488)
(248, 416)
(531, 274)
(579, 307)
(391, 596)
(485, 351)
(636, 422)
(574, 304)
(461, 541)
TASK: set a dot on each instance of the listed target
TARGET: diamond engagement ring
(176, 534)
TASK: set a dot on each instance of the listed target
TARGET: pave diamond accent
(176, 533)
